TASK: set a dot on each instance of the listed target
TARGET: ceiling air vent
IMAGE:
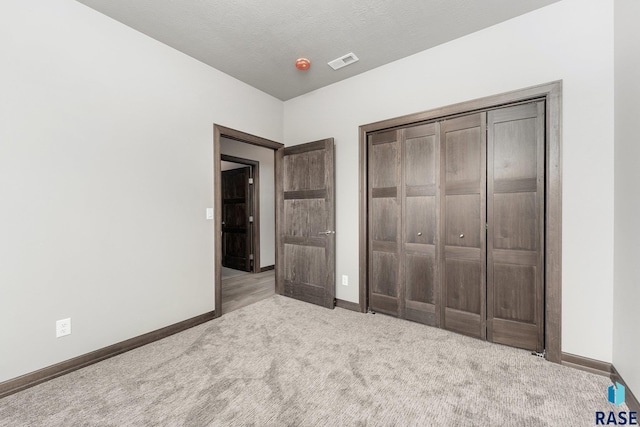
(343, 61)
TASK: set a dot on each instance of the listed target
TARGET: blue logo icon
(616, 394)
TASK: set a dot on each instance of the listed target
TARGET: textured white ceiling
(258, 41)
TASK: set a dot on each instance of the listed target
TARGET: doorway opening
(244, 175)
(240, 204)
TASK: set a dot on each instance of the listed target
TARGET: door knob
(462, 236)
(420, 233)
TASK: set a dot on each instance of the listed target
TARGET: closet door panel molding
(515, 263)
(420, 167)
(384, 223)
(463, 218)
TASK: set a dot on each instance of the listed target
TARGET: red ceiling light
(303, 64)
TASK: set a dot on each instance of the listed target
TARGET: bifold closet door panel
(420, 207)
(463, 221)
(516, 226)
(384, 222)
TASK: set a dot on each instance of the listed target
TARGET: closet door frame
(551, 93)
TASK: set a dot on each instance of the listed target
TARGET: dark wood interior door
(384, 222)
(516, 226)
(420, 206)
(306, 222)
(463, 207)
(236, 211)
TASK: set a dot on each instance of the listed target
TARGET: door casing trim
(552, 94)
(219, 132)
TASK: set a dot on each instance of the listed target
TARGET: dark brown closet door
(236, 236)
(515, 235)
(463, 175)
(420, 204)
(306, 226)
(384, 222)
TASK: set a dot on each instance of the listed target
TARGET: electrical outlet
(63, 327)
(345, 280)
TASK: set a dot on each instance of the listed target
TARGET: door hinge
(250, 180)
(537, 353)
(251, 257)
(251, 218)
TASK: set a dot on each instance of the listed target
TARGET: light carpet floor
(281, 362)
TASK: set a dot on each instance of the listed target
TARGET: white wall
(106, 169)
(626, 320)
(571, 40)
(267, 193)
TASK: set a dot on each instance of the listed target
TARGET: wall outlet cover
(63, 327)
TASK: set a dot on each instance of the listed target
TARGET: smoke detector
(303, 64)
(343, 61)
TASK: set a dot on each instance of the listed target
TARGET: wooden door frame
(219, 132)
(552, 94)
(254, 195)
